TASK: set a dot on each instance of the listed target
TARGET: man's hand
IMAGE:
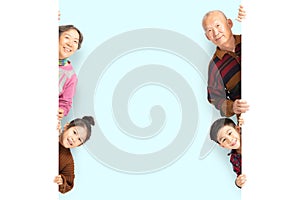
(240, 106)
(241, 14)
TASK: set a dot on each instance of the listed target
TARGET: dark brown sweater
(66, 169)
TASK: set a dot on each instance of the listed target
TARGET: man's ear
(230, 23)
(206, 36)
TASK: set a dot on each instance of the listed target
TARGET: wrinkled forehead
(213, 17)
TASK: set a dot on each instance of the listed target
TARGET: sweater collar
(220, 53)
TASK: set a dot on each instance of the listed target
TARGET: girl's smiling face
(229, 137)
(73, 137)
(68, 43)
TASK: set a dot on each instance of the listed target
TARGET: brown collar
(220, 53)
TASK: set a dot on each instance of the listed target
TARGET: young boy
(228, 135)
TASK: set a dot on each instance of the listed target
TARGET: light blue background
(188, 177)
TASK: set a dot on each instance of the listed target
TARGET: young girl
(228, 135)
(74, 134)
(70, 40)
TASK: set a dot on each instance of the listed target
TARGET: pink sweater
(67, 87)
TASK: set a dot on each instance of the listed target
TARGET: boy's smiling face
(229, 137)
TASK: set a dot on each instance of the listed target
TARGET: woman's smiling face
(68, 43)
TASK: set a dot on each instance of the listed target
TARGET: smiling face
(229, 137)
(217, 28)
(68, 43)
(73, 137)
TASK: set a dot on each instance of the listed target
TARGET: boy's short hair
(217, 125)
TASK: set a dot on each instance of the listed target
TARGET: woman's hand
(60, 114)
